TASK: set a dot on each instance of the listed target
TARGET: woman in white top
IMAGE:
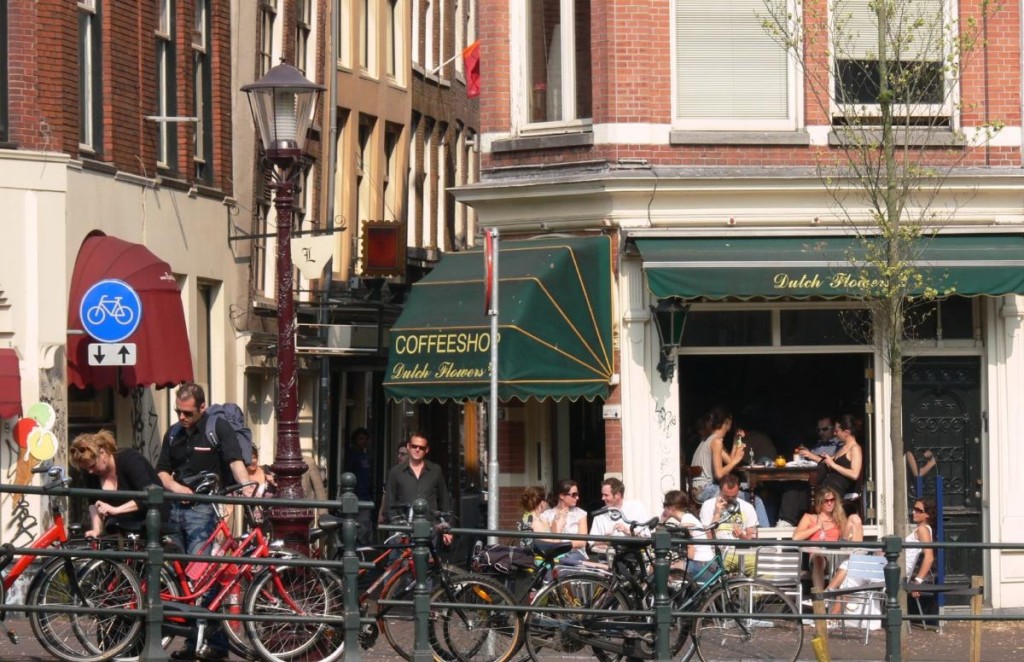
(678, 513)
(566, 517)
(711, 455)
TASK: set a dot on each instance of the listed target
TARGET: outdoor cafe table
(766, 474)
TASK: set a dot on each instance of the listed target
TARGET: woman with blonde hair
(826, 524)
(107, 467)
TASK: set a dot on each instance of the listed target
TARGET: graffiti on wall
(146, 436)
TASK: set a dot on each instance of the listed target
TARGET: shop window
(949, 319)
(824, 327)
(730, 73)
(736, 328)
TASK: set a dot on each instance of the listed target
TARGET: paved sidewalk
(1001, 642)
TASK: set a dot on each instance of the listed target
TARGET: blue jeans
(197, 523)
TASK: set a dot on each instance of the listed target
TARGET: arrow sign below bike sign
(110, 312)
(112, 353)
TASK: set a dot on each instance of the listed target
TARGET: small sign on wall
(611, 412)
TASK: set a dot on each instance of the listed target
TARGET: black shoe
(186, 653)
(207, 654)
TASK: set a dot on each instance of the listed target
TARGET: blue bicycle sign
(110, 311)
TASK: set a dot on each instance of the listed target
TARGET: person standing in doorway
(418, 479)
(358, 462)
(401, 457)
(188, 451)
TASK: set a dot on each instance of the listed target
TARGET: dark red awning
(161, 340)
(10, 384)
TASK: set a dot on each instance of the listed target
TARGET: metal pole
(492, 425)
(152, 650)
(421, 592)
(662, 604)
(349, 512)
(940, 535)
(893, 545)
(290, 524)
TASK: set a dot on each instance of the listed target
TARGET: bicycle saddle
(551, 550)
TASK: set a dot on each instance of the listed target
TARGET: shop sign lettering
(446, 370)
(462, 342)
(838, 281)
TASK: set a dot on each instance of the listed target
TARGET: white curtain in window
(915, 29)
(727, 66)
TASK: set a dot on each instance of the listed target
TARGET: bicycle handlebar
(616, 515)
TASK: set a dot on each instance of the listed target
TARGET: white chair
(781, 566)
(867, 570)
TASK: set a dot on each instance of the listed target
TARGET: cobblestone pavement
(1001, 642)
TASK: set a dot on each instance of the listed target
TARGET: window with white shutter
(729, 72)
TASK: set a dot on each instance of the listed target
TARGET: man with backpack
(190, 447)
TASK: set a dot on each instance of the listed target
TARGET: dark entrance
(942, 413)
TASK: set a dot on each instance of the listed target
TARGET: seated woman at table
(826, 524)
(715, 462)
(565, 517)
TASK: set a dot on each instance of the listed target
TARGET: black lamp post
(669, 319)
(282, 104)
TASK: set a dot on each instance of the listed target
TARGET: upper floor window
(393, 28)
(303, 26)
(90, 76)
(165, 84)
(416, 57)
(268, 14)
(730, 73)
(428, 31)
(368, 37)
(914, 35)
(202, 92)
(4, 99)
(344, 47)
(556, 43)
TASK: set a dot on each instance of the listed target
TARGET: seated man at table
(794, 500)
(613, 493)
(732, 518)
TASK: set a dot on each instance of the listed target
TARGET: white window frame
(165, 62)
(428, 31)
(268, 20)
(368, 38)
(520, 74)
(345, 34)
(303, 28)
(88, 136)
(950, 92)
(417, 58)
(794, 91)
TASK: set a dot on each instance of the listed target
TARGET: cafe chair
(864, 569)
(781, 567)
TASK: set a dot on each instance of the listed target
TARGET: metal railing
(348, 567)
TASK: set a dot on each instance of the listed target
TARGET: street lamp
(282, 104)
(669, 319)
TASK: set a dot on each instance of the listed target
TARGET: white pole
(492, 424)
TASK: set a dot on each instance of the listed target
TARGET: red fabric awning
(10, 384)
(161, 340)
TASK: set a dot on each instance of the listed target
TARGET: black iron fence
(351, 619)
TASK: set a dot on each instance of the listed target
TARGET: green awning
(801, 267)
(555, 325)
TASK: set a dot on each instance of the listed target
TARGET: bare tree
(889, 78)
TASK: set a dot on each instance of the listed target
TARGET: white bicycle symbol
(111, 306)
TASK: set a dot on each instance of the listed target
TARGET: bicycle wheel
(296, 591)
(77, 637)
(476, 631)
(168, 587)
(721, 636)
(397, 622)
(547, 633)
(238, 637)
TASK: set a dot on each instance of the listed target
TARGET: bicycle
(110, 306)
(75, 582)
(716, 634)
(470, 630)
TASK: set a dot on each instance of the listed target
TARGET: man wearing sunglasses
(186, 451)
(417, 479)
(827, 442)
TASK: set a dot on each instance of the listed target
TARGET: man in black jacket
(188, 451)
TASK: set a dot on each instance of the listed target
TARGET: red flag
(471, 60)
(488, 271)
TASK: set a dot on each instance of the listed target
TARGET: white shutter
(915, 29)
(727, 66)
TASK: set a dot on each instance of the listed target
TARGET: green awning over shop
(801, 267)
(555, 325)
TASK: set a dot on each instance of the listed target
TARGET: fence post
(662, 604)
(976, 599)
(893, 545)
(152, 650)
(350, 568)
(820, 641)
(421, 592)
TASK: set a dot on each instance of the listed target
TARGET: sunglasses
(186, 412)
(573, 494)
(417, 447)
(829, 500)
(920, 510)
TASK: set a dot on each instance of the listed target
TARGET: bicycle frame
(56, 534)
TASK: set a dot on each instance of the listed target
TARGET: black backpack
(231, 413)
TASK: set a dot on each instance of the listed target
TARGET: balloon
(43, 413)
(42, 444)
(22, 429)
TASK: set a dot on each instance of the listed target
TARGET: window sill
(552, 141)
(99, 166)
(937, 137)
(795, 138)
